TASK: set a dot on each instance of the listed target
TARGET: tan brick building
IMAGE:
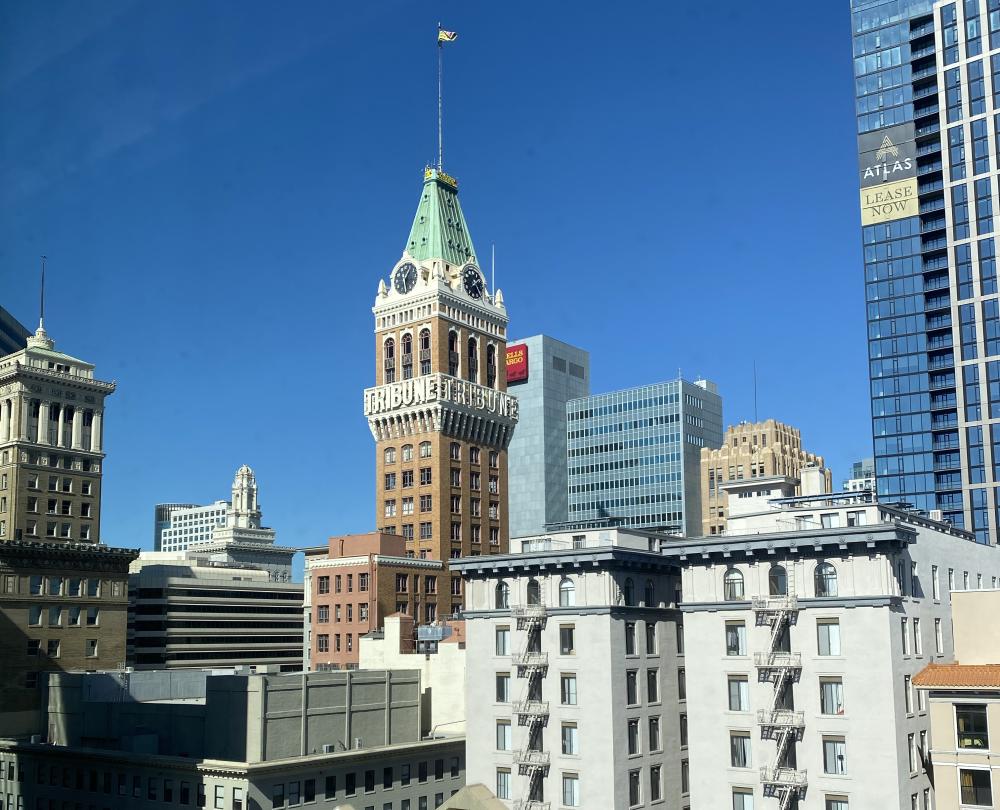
(357, 581)
(751, 450)
(63, 595)
(439, 411)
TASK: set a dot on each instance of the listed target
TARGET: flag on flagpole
(446, 36)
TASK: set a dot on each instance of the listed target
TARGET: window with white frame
(828, 636)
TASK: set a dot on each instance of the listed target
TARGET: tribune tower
(439, 410)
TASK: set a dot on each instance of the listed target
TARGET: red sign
(517, 363)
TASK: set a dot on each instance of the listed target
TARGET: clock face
(473, 281)
(406, 277)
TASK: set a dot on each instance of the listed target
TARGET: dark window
(331, 787)
(970, 724)
(975, 787)
(422, 772)
(387, 778)
(350, 784)
(439, 769)
(309, 790)
(369, 781)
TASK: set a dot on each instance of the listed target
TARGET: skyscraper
(635, 455)
(544, 374)
(439, 411)
(927, 90)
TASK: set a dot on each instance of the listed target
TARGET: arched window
(390, 455)
(534, 592)
(473, 360)
(567, 592)
(425, 351)
(389, 352)
(407, 452)
(649, 595)
(407, 344)
(453, 354)
(628, 592)
(502, 596)
(425, 449)
(732, 585)
(491, 365)
(777, 581)
(826, 579)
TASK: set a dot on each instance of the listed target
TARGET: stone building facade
(751, 450)
(63, 595)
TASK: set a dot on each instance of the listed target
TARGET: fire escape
(780, 722)
(531, 711)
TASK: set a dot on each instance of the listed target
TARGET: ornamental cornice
(378, 559)
(15, 370)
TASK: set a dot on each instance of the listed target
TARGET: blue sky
(220, 186)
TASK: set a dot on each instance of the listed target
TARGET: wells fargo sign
(517, 363)
(435, 388)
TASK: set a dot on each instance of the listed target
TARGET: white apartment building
(178, 527)
(771, 667)
(812, 615)
(574, 673)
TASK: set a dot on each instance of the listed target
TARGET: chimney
(812, 480)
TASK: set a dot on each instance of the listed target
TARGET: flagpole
(440, 71)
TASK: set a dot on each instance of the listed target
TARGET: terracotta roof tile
(961, 676)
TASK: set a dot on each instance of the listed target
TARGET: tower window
(473, 364)
(389, 353)
(407, 342)
(491, 365)
(425, 351)
(453, 354)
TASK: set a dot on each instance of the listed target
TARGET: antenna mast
(755, 390)
(41, 298)
(440, 72)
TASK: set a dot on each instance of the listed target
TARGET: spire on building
(439, 230)
(245, 511)
(41, 340)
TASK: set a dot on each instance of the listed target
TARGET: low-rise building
(437, 651)
(962, 694)
(190, 611)
(152, 739)
(358, 580)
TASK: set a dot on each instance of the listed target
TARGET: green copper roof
(439, 230)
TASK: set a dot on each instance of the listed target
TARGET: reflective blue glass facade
(635, 455)
(927, 85)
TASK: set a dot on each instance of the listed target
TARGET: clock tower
(439, 411)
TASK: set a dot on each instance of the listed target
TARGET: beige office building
(751, 450)
(964, 700)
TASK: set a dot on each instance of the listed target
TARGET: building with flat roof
(751, 450)
(862, 478)
(437, 651)
(544, 374)
(963, 693)
(775, 664)
(635, 455)
(358, 580)
(178, 525)
(237, 741)
(575, 683)
(927, 177)
(189, 610)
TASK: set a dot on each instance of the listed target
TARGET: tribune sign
(887, 167)
(434, 388)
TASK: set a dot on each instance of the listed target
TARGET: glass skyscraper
(927, 86)
(635, 455)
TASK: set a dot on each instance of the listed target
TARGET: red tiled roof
(960, 676)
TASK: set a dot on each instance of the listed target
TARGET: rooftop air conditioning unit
(937, 514)
(358, 742)
(329, 748)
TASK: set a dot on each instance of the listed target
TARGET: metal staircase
(531, 712)
(784, 726)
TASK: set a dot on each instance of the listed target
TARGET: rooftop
(958, 676)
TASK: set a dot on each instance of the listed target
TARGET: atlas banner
(889, 201)
(887, 155)
(517, 363)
